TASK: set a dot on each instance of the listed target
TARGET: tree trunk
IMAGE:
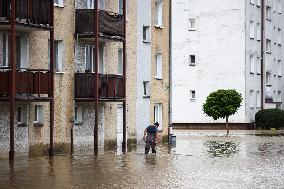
(227, 125)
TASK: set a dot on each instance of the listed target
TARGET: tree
(222, 104)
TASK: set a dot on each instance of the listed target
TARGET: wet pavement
(201, 159)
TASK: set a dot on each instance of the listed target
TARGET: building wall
(219, 46)
(253, 48)
(160, 44)
(143, 67)
(271, 59)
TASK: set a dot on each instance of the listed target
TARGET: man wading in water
(151, 138)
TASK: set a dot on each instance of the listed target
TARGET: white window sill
(78, 123)
(251, 38)
(252, 73)
(192, 29)
(22, 124)
(279, 75)
(59, 72)
(146, 96)
(192, 99)
(38, 124)
(59, 6)
(268, 52)
(251, 108)
(158, 78)
(146, 41)
(258, 73)
(159, 26)
(192, 64)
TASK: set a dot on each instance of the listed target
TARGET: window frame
(39, 115)
(192, 20)
(159, 66)
(159, 4)
(158, 115)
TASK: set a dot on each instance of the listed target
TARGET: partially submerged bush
(269, 118)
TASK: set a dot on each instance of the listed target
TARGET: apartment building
(226, 44)
(152, 66)
(86, 96)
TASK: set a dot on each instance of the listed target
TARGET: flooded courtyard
(201, 159)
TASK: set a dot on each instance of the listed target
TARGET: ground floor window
(158, 115)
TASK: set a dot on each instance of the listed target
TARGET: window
(58, 55)
(192, 25)
(146, 88)
(251, 29)
(120, 61)
(78, 118)
(258, 65)
(120, 7)
(279, 6)
(258, 99)
(268, 78)
(192, 60)
(39, 115)
(91, 4)
(279, 36)
(5, 51)
(274, 96)
(268, 13)
(252, 2)
(258, 3)
(158, 115)
(90, 64)
(159, 13)
(279, 98)
(22, 115)
(251, 95)
(21, 52)
(159, 66)
(58, 3)
(268, 45)
(146, 34)
(258, 31)
(192, 95)
(252, 63)
(279, 68)
(274, 5)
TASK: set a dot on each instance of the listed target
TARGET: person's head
(156, 124)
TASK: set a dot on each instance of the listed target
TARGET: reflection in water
(222, 148)
(186, 166)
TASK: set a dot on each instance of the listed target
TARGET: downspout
(170, 66)
(262, 53)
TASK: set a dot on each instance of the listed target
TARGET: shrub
(269, 118)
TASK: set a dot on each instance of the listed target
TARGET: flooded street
(201, 159)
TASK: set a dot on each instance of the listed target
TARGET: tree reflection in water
(222, 148)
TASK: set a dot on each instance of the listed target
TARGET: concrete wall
(143, 67)
(160, 87)
(253, 47)
(271, 59)
(219, 46)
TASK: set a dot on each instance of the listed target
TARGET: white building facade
(216, 44)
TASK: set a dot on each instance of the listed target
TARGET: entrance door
(119, 127)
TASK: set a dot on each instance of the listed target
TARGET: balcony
(111, 87)
(29, 13)
(110, 24)
(30, 84)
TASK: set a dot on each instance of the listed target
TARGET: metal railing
(109, 86)
(29, 82)
(28, 11)
(110, 24)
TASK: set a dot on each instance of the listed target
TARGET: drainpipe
(124, 143)
(12, 79)
(262, 52)
(170, 67)
(51, 108)
(96, 129)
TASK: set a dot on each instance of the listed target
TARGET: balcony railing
(31, 83)
(111, 87)
(33, 12)
(110, 24)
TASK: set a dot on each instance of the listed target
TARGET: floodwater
(201, 159)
